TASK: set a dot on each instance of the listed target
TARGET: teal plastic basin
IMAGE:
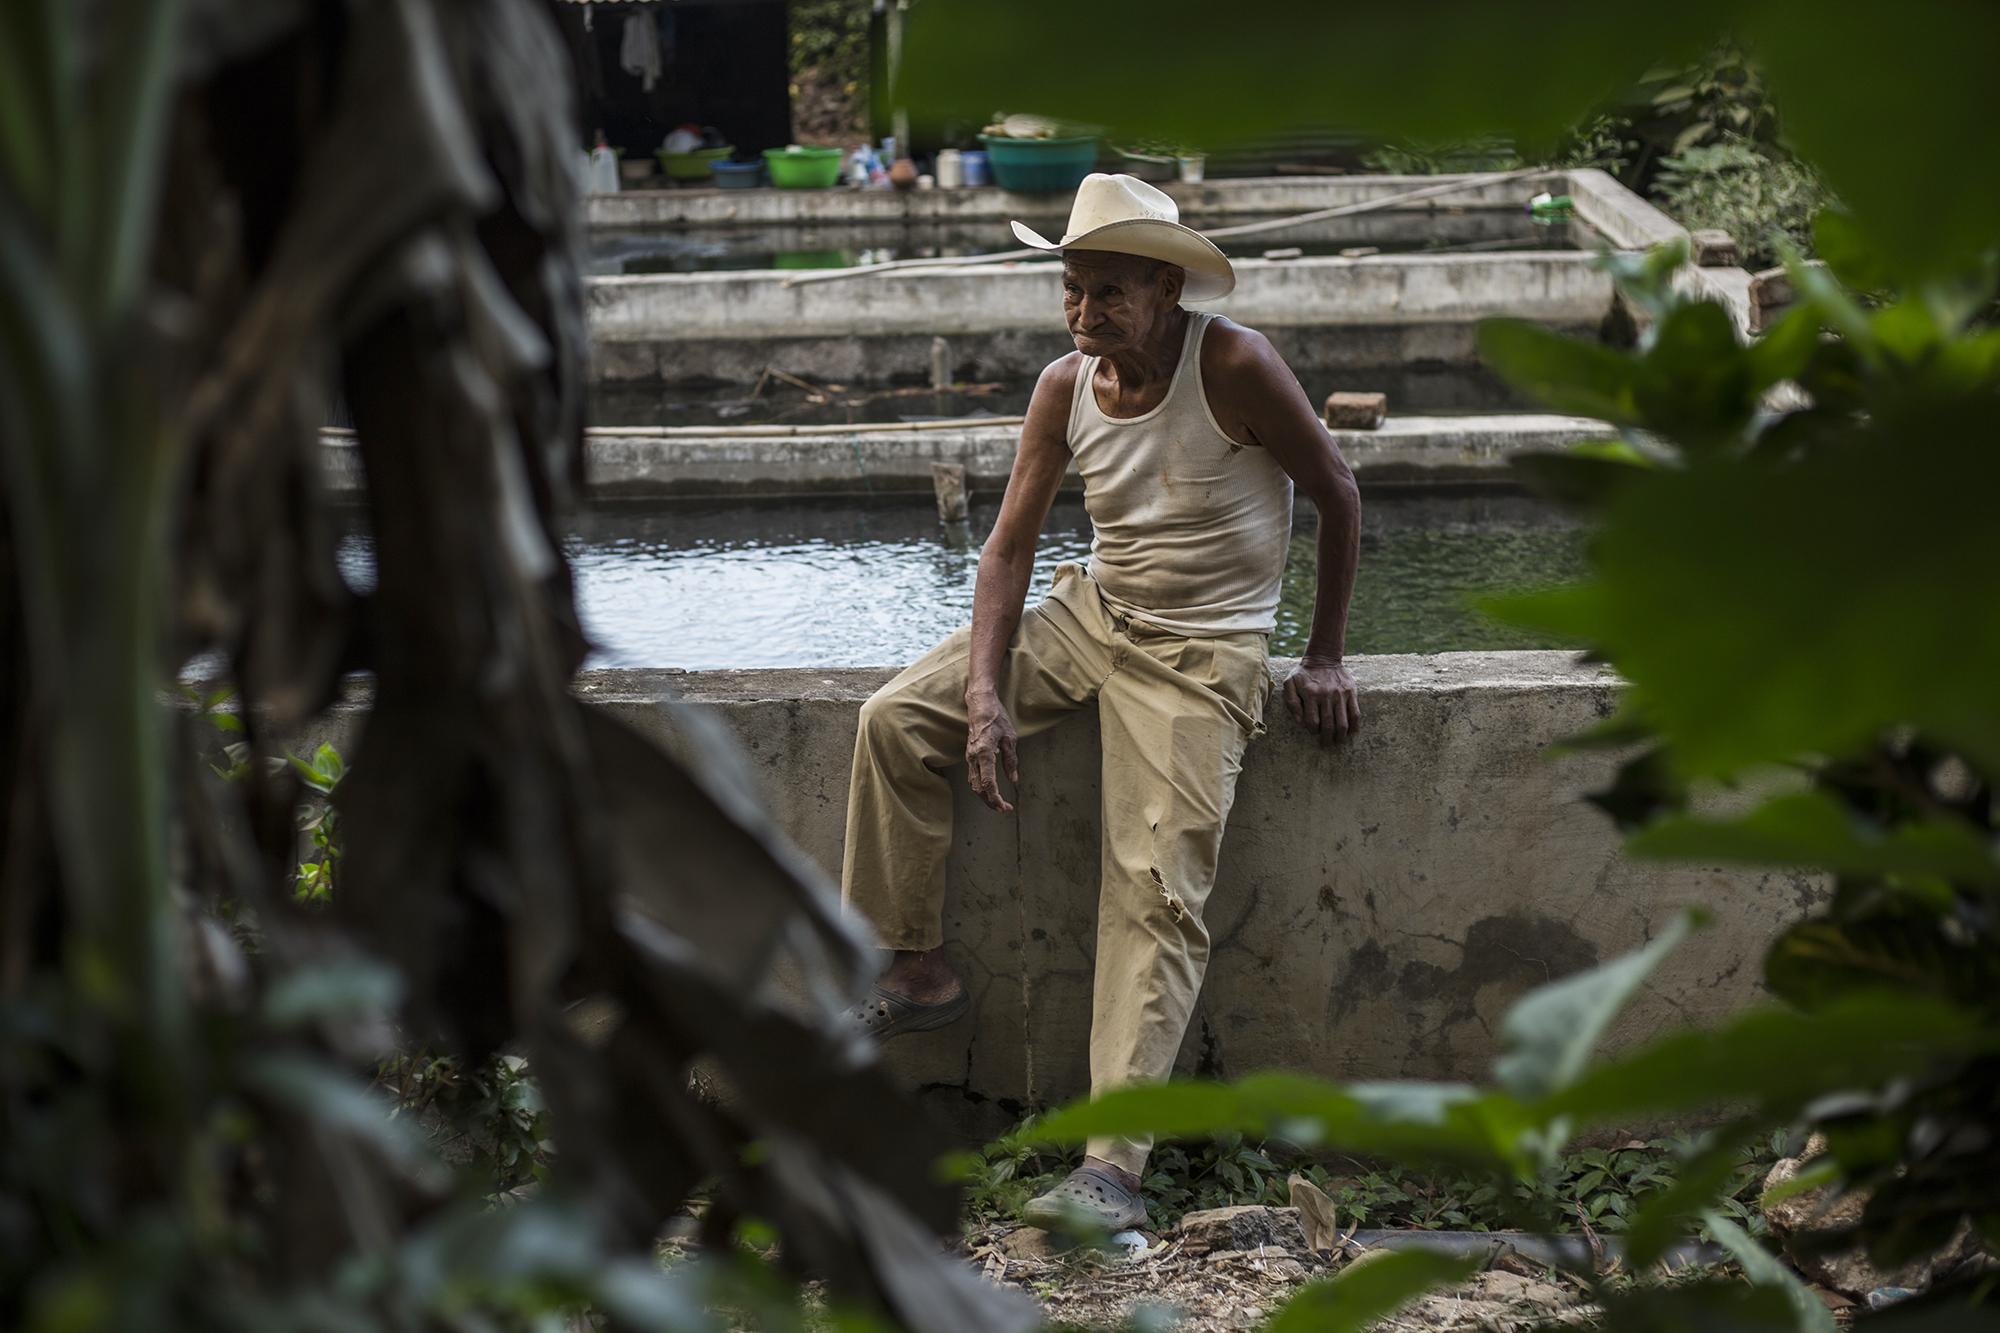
(1040, 166)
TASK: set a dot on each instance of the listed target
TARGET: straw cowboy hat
(1125, 215)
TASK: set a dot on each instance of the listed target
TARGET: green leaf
(1805, 1180)
(1551, 1033)
(1814, 828)
(1584, 476)
(350, 988)
(1694, 384)
(1568, 374)
(1405, 1121)
(1857, 1041)
(1698, 1307)
(1644, 789)
(327, 761)
(1838, 241)
(337, 1102)
(1646, 278)
(1785, 349)
(1903, 938)
(1364, 1293)
(1665, 1215)
(1574, 611)
(309, 775)
(1761, 1267)
(1742, 605)
(1885, 156)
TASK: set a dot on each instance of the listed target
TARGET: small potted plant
(1155, 161)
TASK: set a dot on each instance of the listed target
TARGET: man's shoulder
(1228, 344)
(1061, 372)
(1232, 353)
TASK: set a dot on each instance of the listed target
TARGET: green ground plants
(1597, 1189)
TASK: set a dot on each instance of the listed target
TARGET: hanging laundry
(639, 48)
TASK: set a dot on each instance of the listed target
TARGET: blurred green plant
(202, 241)
(1756, 194)
(832, 36)
(1893, 108)
(1674, 108)
(1599, 142)
(491, 1119)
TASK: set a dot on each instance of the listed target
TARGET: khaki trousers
(1175, 714)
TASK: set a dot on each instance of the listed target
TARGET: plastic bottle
(603, 167)
(1551, 207)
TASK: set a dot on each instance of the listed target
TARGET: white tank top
(1191, 527)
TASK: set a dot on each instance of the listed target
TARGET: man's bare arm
(1005, 564)
(1259, 394)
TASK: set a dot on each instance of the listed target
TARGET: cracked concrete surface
(1378, 906)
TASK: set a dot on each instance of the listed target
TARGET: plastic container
(974, 168)
(736, 175)
(1551, 208)
(950, 169)
(693, 166)
(1040, 166)
(603, 169)
(797, 168)
(1148, 167)
(812, 259)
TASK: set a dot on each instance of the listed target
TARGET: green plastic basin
(693, 166)
(803, 168)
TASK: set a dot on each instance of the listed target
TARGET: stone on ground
(1356, 411)
(1243, 1227)
(1849, 1271)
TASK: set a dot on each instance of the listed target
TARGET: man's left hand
(1322, 697)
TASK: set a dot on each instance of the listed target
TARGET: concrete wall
(1200, 203)
(1379, 905)
(783, 461)
(1004, 320)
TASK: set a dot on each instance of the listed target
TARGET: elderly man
(1190, 434)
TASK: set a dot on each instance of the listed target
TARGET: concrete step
(895, 459)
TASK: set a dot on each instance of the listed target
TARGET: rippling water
(853, 584)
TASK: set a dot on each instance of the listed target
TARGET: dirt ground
(1170, 1285)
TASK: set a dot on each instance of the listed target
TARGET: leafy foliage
(1466, 68)
(1598, 142)
(1599, 1188)
(1746, 190)
(203, 239)
(1721, 94)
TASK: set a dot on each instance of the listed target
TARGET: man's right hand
(989, 747)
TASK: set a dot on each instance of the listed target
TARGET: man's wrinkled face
(1111, 302)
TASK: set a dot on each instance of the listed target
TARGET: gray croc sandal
(886, 1014)
(1090, 1196)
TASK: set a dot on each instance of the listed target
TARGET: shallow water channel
(847, 583)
